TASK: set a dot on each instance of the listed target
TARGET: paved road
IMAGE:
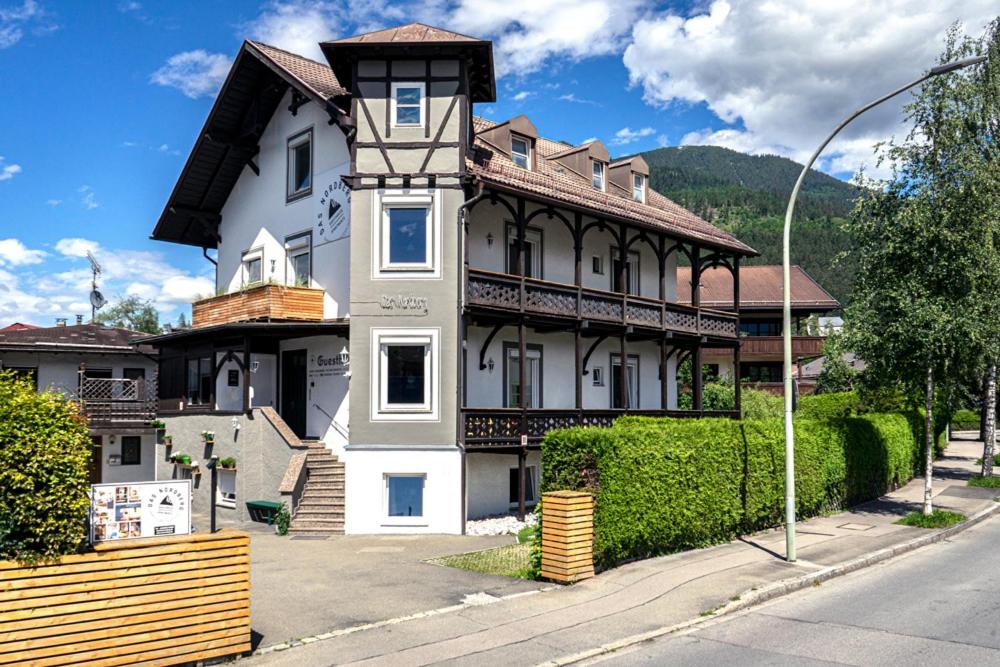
(939, 605)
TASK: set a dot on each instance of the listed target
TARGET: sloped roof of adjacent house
(18, 326)
(760, 289)
(75, 338)
(411, 32)
(554, 181)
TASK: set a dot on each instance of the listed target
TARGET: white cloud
(195, 73)
(53, 202)
(15, 253)
(785, 72)
(14, 20)
(87, 197)
(571, 97)
(76, 247)
(8, 171)
(522, 95)
(297, 26)
(627, 135)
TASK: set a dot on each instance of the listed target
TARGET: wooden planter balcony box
(264, 302)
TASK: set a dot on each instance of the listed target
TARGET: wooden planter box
(266, 302)
(163, 600)
(567, 536)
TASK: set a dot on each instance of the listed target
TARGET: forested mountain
(747, 195)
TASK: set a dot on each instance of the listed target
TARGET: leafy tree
(182, 322)
(927, 259)
(836, 374)
(131, 313)
(45, 451)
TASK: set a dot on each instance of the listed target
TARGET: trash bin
(263, 511)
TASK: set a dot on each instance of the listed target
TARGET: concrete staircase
(321, 509)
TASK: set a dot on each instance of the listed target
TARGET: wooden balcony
(117, 403)
(513, 294)
(772, 346)
(265, 302)
(498, 428)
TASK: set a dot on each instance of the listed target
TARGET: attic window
(639, 188)
(598, 179)
(520, 152)
(299, 166)
(407, 104)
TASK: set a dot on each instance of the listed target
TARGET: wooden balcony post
(578, 256)
(522, 352)
(664, 393)
(696, 379)
(737, 384)
(623, 374)
(623, 270)
(578, 365)
(522, 470)
(661, 259)
(520, 258)
(246, 374)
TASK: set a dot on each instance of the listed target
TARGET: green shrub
(45, 450)
(965, 420)
(759, 404)
(936, 519)
(282, 520)
(829, 406)
(985, 482)
(663, 485)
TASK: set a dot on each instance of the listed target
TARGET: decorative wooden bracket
(590, 351)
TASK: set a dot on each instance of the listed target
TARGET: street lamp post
(786, 326)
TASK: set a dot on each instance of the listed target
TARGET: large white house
(410, 296)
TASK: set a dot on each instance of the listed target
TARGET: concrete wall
(145, 471)
(262, 456)
(257, 216)
(488, 482)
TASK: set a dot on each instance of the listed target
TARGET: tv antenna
(97, 299)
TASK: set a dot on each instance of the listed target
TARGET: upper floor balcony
(773, 346)
(262, 302)
(117, 403)
(522, 295)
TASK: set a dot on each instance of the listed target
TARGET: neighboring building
(760, 302)
(412, 295)
(18, 326)
(112, 377)
(808, 373)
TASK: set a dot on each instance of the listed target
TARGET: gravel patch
(504, 524)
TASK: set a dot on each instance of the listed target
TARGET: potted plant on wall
(160, 428)
(228, 463)
(181, 458)
(167, 439)
(208, 437)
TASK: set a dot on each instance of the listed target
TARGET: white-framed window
(520, 151)
(639, 188)
(530, 486)
(532, 254)
(403, 498)
(597, 373)
(405, 373)
(631, 271)
(631, 380)
(298, 250)
(598, 265)
(598, 178)
(252, 268)
(408, 104)
(300, 158)
(407, 235)
(532, 376)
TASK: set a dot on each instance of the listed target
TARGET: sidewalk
(644, 596)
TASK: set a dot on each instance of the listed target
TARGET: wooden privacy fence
(151, 601)
(567, 536)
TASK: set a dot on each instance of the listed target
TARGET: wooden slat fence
(153, 601)
(567, 536)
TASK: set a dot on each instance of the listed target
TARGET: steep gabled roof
(259, 78)
(553, 181)
(760, 289)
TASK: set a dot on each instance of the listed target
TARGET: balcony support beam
(246, 374)
(522, 470)
(578, 366)
(664, 391)
(623, 394)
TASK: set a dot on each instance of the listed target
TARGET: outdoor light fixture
(489, 239)
(254, 366)
(786, 325)
(490, 365)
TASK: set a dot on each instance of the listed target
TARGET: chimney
(60, 321)
(79, 320)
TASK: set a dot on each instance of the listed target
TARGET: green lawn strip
(936, 519)
(526, 534)
(996, 460)
(985, 482)
(512, 560)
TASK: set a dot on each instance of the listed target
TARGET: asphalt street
(937, 606)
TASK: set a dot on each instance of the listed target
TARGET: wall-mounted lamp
(489, 239)
(111, 439)
(236, 423)
(254, 366)
(273, 262)
(490, 365)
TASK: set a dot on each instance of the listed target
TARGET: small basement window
(407, 104)
(300, 165)
(404, 495)
(598, 179)
(520, 152)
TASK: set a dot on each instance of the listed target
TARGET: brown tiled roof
(316, 76)
(411, 32)
(18, 326)
(74, 338)
(760, 288)
(554, 181)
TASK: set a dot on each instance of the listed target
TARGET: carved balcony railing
(490, 428)
(539, 297)
(117, 402)
(263, 302)
(773, 346)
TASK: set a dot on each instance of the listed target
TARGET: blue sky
(103, 100)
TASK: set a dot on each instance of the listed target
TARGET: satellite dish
(97, 299)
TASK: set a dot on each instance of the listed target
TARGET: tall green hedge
(45, 451)
(663, 485)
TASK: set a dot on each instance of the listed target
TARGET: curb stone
(753, 598)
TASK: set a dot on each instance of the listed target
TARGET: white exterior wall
(327, 395)
(488, 482)
(144, 472)
(486, 390)
(366, 499)
(263, 383)
(61, 370)
(256, 214)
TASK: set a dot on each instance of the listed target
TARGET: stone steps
(321, 508)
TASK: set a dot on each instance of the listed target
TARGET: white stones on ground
(479, 599)
(504, 524)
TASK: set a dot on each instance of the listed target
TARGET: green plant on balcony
(181, 459)
(158, 424)
(208, 437)
(228, 463)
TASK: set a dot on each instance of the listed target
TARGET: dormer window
(639, 188)
(520, 152)
(598, 179)
(408, 104)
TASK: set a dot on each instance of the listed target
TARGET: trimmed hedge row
(663, 485)
(965, 420)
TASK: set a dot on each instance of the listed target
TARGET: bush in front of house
(663, 485)
(45, 450)
(965, 420)
(760, 404)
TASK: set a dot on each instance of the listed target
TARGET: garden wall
(163, 600)
(663, 485)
